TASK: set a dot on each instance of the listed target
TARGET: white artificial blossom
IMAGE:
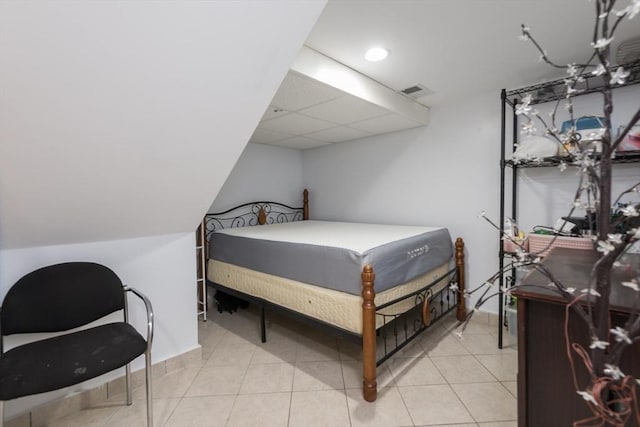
(570, 90)
(632, 284)
(613, 371)
(621, 334)
(524, 36)
(619, 77)
(596, 343)
(615, 239)
(602, 43)
(630, 11)
(591, 292)
(528, 127)
(629, 210)
(588, 397)
(523, 109)
(605, 247)
(599, 71)
(633, 9)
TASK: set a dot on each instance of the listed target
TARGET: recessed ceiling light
(376, 54)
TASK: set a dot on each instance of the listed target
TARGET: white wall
(263, 172)
(443, 174)
(123, 119)
(119, 123)
(162, 267)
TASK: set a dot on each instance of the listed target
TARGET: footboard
(398, 329)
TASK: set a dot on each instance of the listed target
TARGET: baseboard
(40, 415)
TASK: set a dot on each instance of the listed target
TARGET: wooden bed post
(305, 204)
(461, 313)
(369, 384)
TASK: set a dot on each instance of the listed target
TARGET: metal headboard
(256, 213)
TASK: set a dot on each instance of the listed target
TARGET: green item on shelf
(543, 232)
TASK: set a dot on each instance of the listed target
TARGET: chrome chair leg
(127, 382)
(147, 369)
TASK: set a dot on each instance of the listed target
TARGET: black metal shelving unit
(550, 91)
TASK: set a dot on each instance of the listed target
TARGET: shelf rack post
(503, 98)
(201, 271)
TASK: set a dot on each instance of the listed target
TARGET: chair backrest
(61, 297)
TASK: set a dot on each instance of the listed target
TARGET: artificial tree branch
(634, 188)
(615, 231)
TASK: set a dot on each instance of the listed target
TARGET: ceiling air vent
(417, 91)
(628, 51)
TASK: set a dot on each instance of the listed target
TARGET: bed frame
(397, 330)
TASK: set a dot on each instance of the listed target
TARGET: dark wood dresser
(546, 393)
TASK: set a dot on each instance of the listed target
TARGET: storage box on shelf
(511, 247)
(541, 244)
(512, 320)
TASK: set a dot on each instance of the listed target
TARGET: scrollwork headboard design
(256, 213)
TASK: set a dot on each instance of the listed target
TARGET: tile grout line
(185, 393)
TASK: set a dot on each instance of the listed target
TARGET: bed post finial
(369, 384)
(461, 313)
(305, 204)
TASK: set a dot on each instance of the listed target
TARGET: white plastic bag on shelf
(533, 147)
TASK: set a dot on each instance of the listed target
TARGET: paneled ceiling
(306, 113)
(457, 49)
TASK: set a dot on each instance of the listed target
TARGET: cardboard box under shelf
(512, 247)
(512, 321)
(539, 243)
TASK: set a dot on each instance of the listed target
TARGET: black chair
(59, 298)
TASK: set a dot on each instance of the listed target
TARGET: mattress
(332, 254)
(336, 308)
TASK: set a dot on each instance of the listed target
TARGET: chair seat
(68, 359)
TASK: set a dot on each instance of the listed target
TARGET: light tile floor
(304, 377)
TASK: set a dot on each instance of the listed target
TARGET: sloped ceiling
(123, 119)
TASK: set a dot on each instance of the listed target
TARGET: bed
(380, 284)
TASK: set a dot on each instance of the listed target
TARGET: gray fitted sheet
(322, 260)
